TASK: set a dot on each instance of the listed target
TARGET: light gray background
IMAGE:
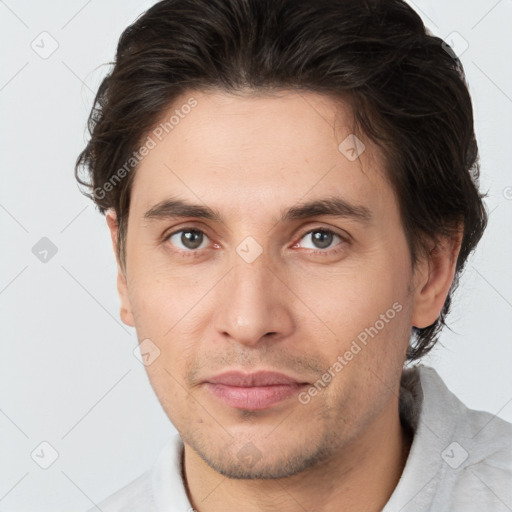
(68, 375)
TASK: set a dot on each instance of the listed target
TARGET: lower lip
(253, 398)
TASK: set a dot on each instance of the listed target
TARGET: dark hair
(406, 87)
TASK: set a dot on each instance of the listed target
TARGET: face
(293, 260)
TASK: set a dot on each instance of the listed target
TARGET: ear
(433, 279)
(122, 288)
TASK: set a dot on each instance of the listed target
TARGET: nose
(254, 305)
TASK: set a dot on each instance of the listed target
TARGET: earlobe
(122, 287)
(435, 277)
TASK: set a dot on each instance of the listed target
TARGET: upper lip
(260, 378)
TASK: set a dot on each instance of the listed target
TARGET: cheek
(169, 310)
(352, 297)
(171, 392)
(160, 296)
(365, 308)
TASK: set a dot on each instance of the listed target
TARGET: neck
(339, 484)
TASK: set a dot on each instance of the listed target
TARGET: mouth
(253, 391)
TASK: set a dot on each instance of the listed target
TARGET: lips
(261, 378)
(253, 391)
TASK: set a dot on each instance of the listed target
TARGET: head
(286, 183)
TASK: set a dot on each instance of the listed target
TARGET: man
(291, 190)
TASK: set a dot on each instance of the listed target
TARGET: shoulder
(484, 478)
(135, 496)
(476, 451)
(486, 437)
(159, 488)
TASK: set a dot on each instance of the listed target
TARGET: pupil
(322, 239)
(191, 239)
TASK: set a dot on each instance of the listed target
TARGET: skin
(208, 310)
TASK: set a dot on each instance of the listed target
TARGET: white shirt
(460, 459)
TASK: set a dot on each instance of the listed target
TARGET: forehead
(245, 152)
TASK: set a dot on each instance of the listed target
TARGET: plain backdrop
(68, 375)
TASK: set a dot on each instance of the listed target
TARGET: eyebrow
(331, 206)
(176, 208)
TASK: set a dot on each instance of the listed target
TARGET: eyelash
(329, 252)
(326, 252)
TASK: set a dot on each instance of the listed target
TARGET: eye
(321, 239)
(190, 239)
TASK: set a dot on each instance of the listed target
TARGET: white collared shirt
(460, 459)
